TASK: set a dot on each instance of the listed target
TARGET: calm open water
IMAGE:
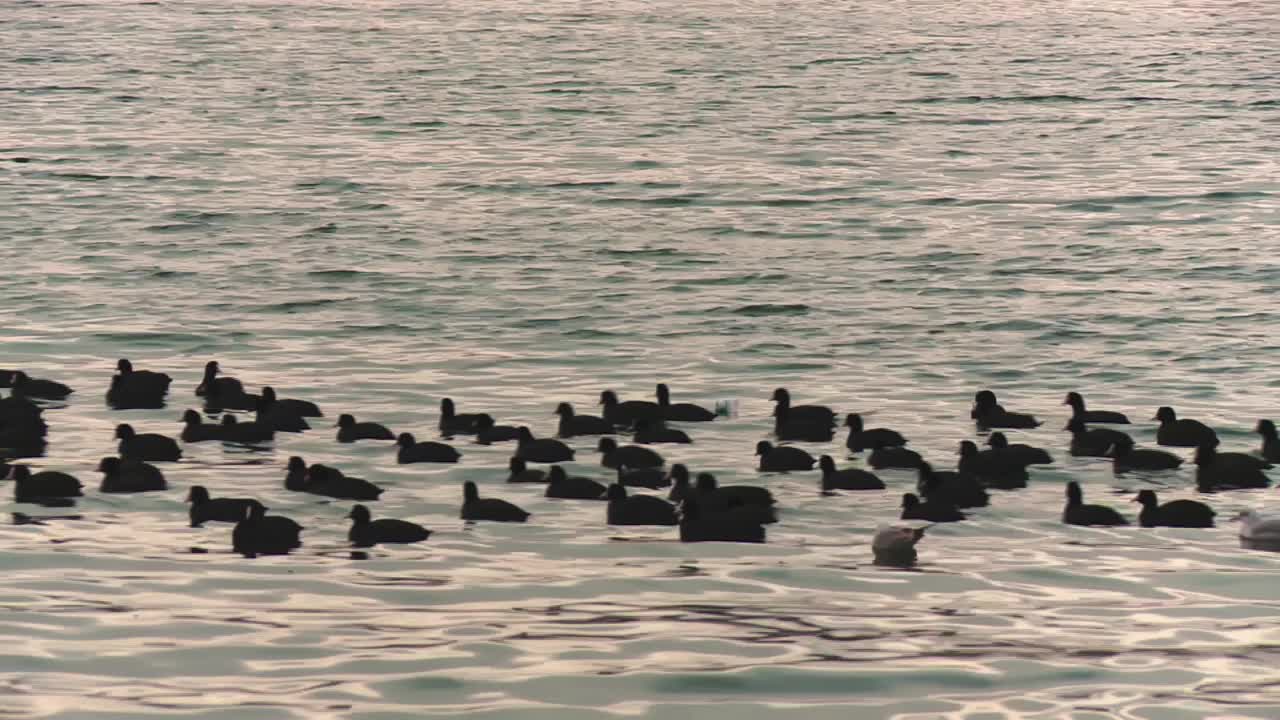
(883, 206)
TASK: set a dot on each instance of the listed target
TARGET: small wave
(765, 309)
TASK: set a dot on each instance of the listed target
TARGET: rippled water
(883, 206)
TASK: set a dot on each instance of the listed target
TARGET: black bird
(327, 481)
(990, 414)
(543, 450)
(141, 382)
(475, 507)
(249, 433)
(261, 534)
(1182, 433)
(1270, 441)
(196, 430)
(1018, 452)
(638, 509)
(806, 414)
(43, 486)
(1178, 513)
(561, 485)
(453, 422)
(782, 458)
(487, 433)
(1094, 442)
(6, 378)
(960, 489)
(147, 446)
(625, 414)
(786, 427)
(714, 497)
(847, 479)
(992, 468)
(350, 431)
(24, 386)
(206, 509)
(894, 457)
(1104, 417)
(367, 532)
(649, 431)
(731, 525)
(652, 477)
(520, 473)
(224, 393)
(1228, 471)
(681, 412)
(1126, 458)
(1077, 513)
(412, 451)
(860, 439)
(572, 424)
(933, 511)
(632, 456)
(277, 416)
(300, 408)
(129, 476)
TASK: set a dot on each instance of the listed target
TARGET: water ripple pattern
(883, 206)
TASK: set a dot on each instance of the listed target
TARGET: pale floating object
(896, 545)
(1258, 531)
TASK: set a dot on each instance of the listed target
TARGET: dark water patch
(644, 165)
(766, 309)
(127, 98)
(584, 185)
(77, 176)
(975, 99)
(641, 252)
(331, 184)
(341, 274)
(369, 119)
(149, 338)
(428, 124)
(839, 61)
(326, 229)
(747, 279)
(174, 228)
(294, 306)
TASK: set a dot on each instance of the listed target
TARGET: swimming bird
(412, 451)
(1178, 513)
(627, 509)
(129, 476)
(847, 479)
(651, 477)
(806, 414)
(22, 385)
(1259, 529)
(680, 412)
(860, 439)
(786, 427)
(1105, 417)
(261, 534)
(367, 532)
(487, 433)
(224, 393)
(520, 473)
(883, 458)
(1018, 452)
(146, 446)
(1094, 442)
(933, 511)
(960, 489)
(453, 422)
(141, 381)
(782, 458)
(1270, 441)
(1182, 433)
(1126, 457)
(572, 424)
(42, 487)
(543, 450)
(625, 414)
(1077, 513)
(561, 485)
(990, 414)
(714, 497)
(992, 468)
(351, 431)
(632, 456)
(1228, 471)
(896, 546)
(206, 509)
(279, 417)
(301, 408)
(650, 431)
(328, 481)
(6, 378)
(196, 430)
(731, 525)
(247, 433)
(475, 507)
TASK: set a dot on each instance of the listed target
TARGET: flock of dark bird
(702, 509)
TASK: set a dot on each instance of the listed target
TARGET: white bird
(896, 545)
(1258, 528)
